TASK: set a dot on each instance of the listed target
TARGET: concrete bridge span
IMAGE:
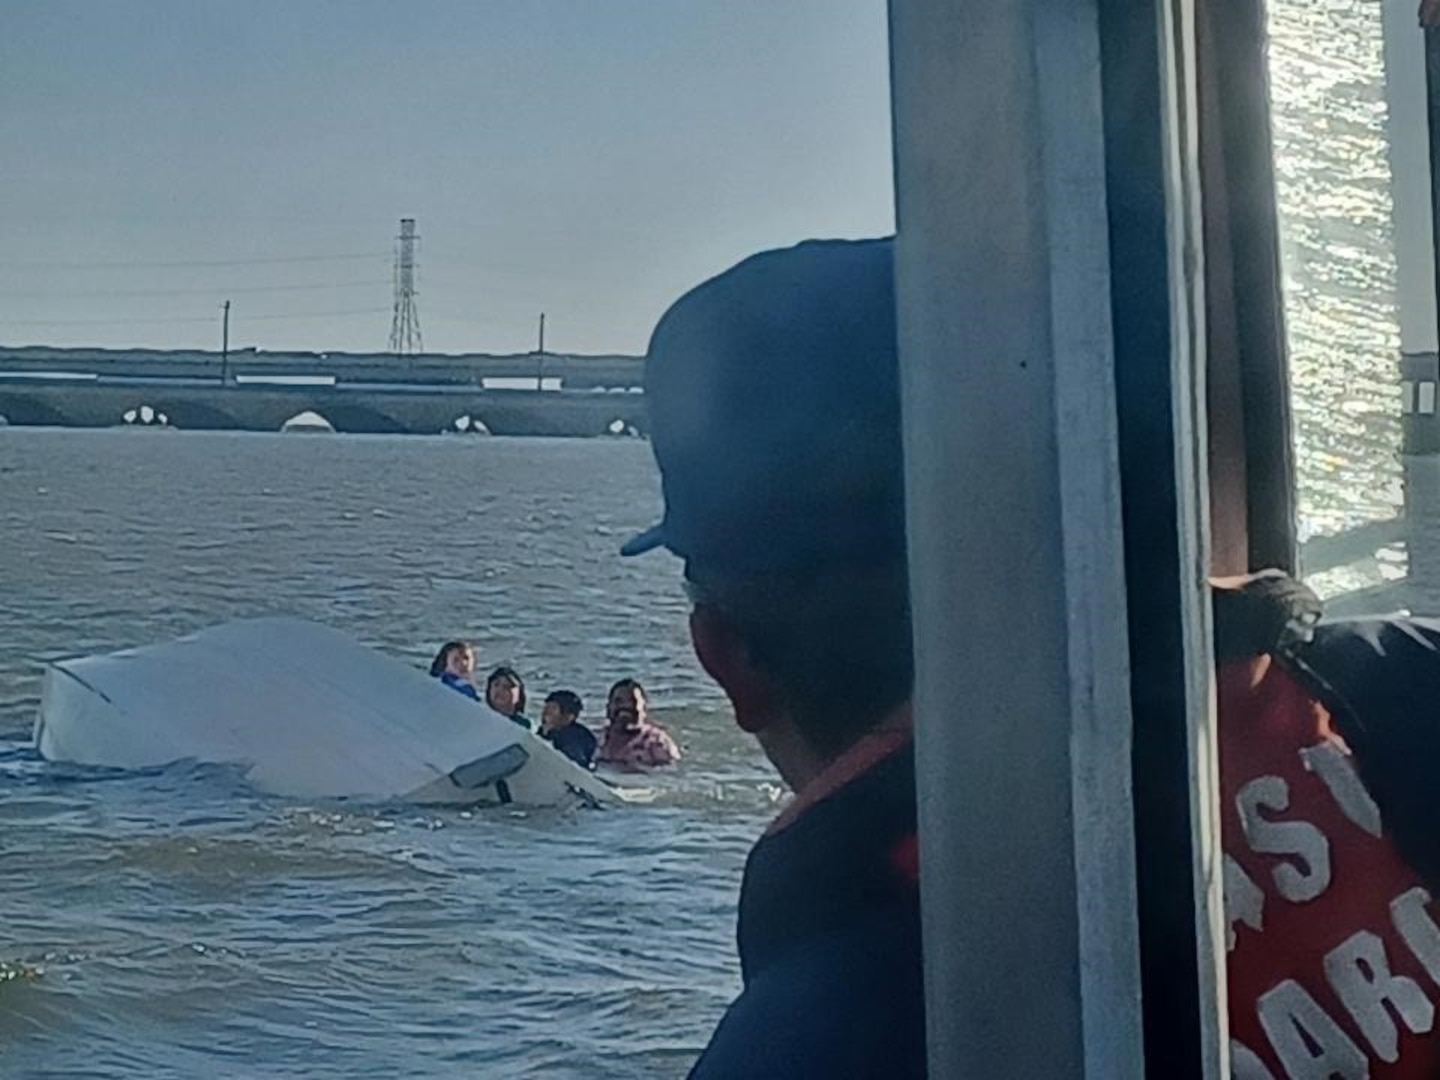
(369, 410)
(572, 372)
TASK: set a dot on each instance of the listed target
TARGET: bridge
(571, 371)
(526, 394)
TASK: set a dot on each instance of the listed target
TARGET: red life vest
(1333, 944)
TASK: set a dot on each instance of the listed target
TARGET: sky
(591, 159)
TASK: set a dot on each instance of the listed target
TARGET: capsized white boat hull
(308, 712)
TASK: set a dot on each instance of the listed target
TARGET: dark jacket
(829, 915)
(829, 940)
(1380, 680)
(575, 741)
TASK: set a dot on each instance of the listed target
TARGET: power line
(209, 291)
(127, 264)
(191, 318)
(322, 314)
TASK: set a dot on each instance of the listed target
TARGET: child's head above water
(505, 691)
(454, 658)
(563, 707)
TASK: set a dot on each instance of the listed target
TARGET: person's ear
(727, 659)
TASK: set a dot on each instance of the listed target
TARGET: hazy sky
(588, 158)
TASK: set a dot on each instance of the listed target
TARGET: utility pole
(225, 346)
(540, 360)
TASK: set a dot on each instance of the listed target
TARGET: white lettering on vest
(1337, 772)
(1308, 1043)
(1297, 838)
(1359, 973)
(1244, 901)
(1418, 929)
(1245, 1064)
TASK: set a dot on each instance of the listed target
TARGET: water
(1337, 239)
(186, 926)
(175, 924)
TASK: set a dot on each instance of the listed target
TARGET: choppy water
(1337, 236)
(175, 924)
(188, 927)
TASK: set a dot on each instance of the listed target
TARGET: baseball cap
(774, 406)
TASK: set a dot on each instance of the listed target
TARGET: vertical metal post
(1421, 380)
(1157, 259)
(1407, 119)
(540, 357)
(1014, 515)
(225, 346)
(1412, 96)
(1432, 125)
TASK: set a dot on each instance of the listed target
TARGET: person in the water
(454, 665)
(560, 726)
(631, 739)
(505, 693)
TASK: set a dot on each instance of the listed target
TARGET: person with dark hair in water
(505, 693)
(631, 739)
(560, 726)
(454, 665)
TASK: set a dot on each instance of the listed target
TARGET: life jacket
(1329, 747)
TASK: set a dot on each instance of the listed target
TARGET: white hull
(309, 712)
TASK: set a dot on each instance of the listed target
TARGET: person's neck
(800, 764)
(793, 757)
(814, 777)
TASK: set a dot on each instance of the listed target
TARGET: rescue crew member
(1331, 837)
(773, 397)
(774, 411)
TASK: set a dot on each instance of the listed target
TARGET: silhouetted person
(773, 394)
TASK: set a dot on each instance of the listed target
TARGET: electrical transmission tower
(405, 337)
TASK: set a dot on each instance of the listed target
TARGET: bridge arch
(308, 421)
